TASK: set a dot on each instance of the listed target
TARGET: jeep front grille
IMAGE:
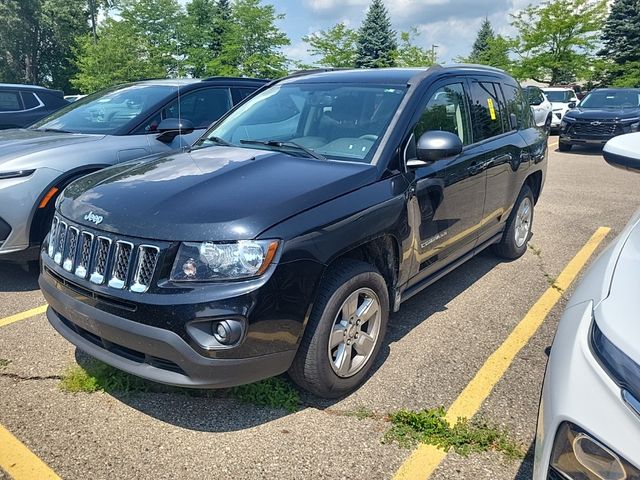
(100, 258)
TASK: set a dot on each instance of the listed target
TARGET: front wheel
(518, 229)
(345, 331)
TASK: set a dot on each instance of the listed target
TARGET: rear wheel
(547, 125)
(518, 229)
(345, 331)
(564, 147)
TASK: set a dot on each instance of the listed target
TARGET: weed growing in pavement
(97, 376)
(465, 437)
(360, 413)
(272, 392)
(536, 251)
(4, 362)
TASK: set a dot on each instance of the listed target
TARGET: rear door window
(10, 101)
(517, 104)
(487, 111)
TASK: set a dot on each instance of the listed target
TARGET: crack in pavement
(15, 376)
(542, 266)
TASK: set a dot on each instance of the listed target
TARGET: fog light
(190, 268)
(227, 332)
(597, 458)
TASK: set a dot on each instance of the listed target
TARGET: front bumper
(577, 390)
(148, 334)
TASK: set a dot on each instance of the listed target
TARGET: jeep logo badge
(92, 217)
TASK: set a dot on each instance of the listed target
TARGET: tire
(564, 147)
(547, 125)
(316, 367)
(513, 246)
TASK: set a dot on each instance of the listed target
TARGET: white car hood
(559, 106)
(618, 315)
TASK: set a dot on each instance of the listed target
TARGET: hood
(214, 193)
(617, 314)
(559, 106)
(16, 144)
(607, 114)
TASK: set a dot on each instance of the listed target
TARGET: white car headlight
(203, 261)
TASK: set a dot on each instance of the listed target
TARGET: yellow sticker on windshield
(492, 110)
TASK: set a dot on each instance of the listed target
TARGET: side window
(9, 101)
(518, 104)
(30, 100)
(486, 111)
(447, 111)
(243, 93)
(201, 107)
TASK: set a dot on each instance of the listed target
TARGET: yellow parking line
(425, 459)
(23, 315)
(554, 144)
(19, 462)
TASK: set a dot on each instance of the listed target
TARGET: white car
(562, 100)
(540, 106)
(589, 418)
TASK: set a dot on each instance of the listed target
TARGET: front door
(447, 196)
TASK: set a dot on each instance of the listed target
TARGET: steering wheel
(370, 136)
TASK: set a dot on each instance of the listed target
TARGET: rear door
(448, 195)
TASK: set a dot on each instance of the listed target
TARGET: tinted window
(30, 100)
(201, 107)
(106, 111)
(486, 111)
(611, 99)
(559, 96)
(244, 92)
(9, 101)
(447, 111)
(516, 104)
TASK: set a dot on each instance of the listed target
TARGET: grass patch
(97, 376)
(273, 392)
(4, 362)
(536, 251)
(360, 413)
(465, 437)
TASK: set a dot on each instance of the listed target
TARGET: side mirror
(513, 121)
(622, 152)
(435, 145)
(572, 105)
(170, 128)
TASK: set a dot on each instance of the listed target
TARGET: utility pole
(92, 13)
(434, 57)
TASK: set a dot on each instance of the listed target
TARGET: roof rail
(311, 71)
(475, 65)
(222, 77)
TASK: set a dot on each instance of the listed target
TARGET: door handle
(497, 160)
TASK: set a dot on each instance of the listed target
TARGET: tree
(376, 39)
(482, 44)
(118, 56)
(37, 39)
(251, 43)
(556, 39)
(410, 55)
(336, 47)
(621, 32)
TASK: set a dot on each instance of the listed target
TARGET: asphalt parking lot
(435, 346)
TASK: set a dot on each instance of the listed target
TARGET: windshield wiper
(285, 144)
(55, 130)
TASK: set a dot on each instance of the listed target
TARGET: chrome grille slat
(61, 237)
(100, 260)
(147, 262)
(70, 248)
(84, 256)
(121, 262)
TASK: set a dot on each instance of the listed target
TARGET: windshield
(611, 99)
(559, 96)
(106, 111)
(336, 121)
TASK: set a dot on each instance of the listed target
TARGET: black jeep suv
(282, 240)
(603, 114)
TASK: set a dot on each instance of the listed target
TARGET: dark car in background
(22, 105)
(603, 114)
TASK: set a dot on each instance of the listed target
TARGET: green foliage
(410, 55)
(482, 44)
(97, 376)
(360, 413)
(465, 437)
(252, 43)
(37, 39)
(621, 45)
(556, 39)
(336, 47)
(625, 75)
(4, 362)
(273, 392)
(376, 46)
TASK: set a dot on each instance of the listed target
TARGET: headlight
(622, 370)
(223, 261)
(16, 174)
(577, 455)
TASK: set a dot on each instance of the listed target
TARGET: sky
(450, 24)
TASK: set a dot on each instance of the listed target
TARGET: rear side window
(30, 100)
(244, 93)
(517, 104)
(9, 101)
(487, 111)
